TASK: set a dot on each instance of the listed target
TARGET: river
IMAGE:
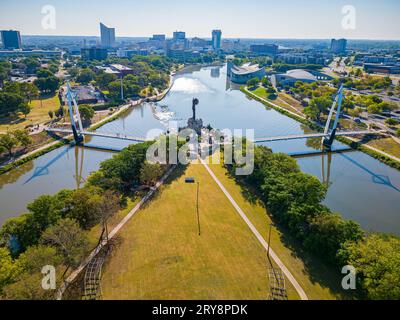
(360, 187)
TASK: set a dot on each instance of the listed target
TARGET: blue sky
(306, 19)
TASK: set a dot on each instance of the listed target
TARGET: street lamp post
(197, 206)
(192, 180)
(122, 88)
(269, 238)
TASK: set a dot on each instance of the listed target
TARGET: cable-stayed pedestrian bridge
(312, 135)
(327, 137)
(99, 134)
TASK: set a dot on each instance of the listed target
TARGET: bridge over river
(360, 187)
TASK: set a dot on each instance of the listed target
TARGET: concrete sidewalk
(288, 274)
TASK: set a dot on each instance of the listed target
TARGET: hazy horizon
(255, 19)
(205, 37)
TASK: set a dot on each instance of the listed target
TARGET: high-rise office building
(179, 35)
(216, 39)
(338, 46)
(11, 39)
(107, 36)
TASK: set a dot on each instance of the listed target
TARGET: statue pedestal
(196, 125)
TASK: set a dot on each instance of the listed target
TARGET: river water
(360, 187)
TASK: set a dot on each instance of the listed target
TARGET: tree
(253, 82)
(82, 206)
(48, 85)
(8, 142)
(355, 112)
(103, 79)
(10, 102)
(25, 109)
(377, 261)
(29, 91)
(85, 76)
(44, 73)
(32, 65)
(374, 108)
(328, 233)
(318, 106)
(312, 112)
(265, 82)
(106, 208)
(36, 257)
(122, 171)
(391, 122)
(22, 137)
(28, 287)
(69, 240)
(114, 89)
(60, 112)
(86, 112)
(73, 72)
(150, 173)
(26, 90)
(8, 269)
(358, 73)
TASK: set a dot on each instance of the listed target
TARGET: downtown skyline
(284, 20)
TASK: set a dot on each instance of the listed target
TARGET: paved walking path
(274, 256)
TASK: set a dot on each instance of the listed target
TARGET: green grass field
(39, 114)
(161, 255)
(387, 145)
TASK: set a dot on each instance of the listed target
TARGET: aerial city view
(200, 150)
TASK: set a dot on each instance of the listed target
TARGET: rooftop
(301, 74)
(107, 70)
(85, 93)
(120, 67)
(246, 69)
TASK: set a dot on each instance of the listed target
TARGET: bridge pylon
(328, 141)
(73, 106)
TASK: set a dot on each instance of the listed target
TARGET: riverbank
(58, 143)
(67, 139)
(380, 155)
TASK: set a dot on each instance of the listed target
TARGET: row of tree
(12, 139)
(15, 97)
(294, 199)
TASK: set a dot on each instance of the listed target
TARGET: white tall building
(107, 36)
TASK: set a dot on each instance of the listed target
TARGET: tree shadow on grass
(327, 276)
(178, 172)
(319, 272)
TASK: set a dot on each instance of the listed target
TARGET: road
(259, 237)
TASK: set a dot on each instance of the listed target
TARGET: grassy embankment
(39, 114)
(161, 255)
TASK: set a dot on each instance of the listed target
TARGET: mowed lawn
(162, 256)
(319, 281)
(386, 144)
(39, 114)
